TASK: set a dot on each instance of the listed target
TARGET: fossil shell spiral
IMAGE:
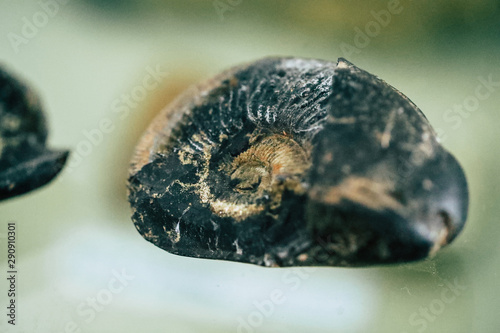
(287, 162)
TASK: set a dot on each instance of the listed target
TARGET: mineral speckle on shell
(290, 161)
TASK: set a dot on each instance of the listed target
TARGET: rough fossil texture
(290, 161)
(25, 162)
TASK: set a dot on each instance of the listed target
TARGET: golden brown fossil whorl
(292, 161)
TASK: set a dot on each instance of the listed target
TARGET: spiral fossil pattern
(291, 161)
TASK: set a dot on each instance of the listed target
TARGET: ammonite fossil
(25, 162)
(290, 161)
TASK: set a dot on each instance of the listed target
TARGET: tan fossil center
(272, 164)
(251, 176)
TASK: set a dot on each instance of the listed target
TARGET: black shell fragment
(25, 162)
(290, 161)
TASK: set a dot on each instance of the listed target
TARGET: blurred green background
(75, 235)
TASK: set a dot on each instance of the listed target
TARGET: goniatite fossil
(287, 161)
(25, 161)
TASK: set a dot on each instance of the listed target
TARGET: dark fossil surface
(25, 161)
(287, 162)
